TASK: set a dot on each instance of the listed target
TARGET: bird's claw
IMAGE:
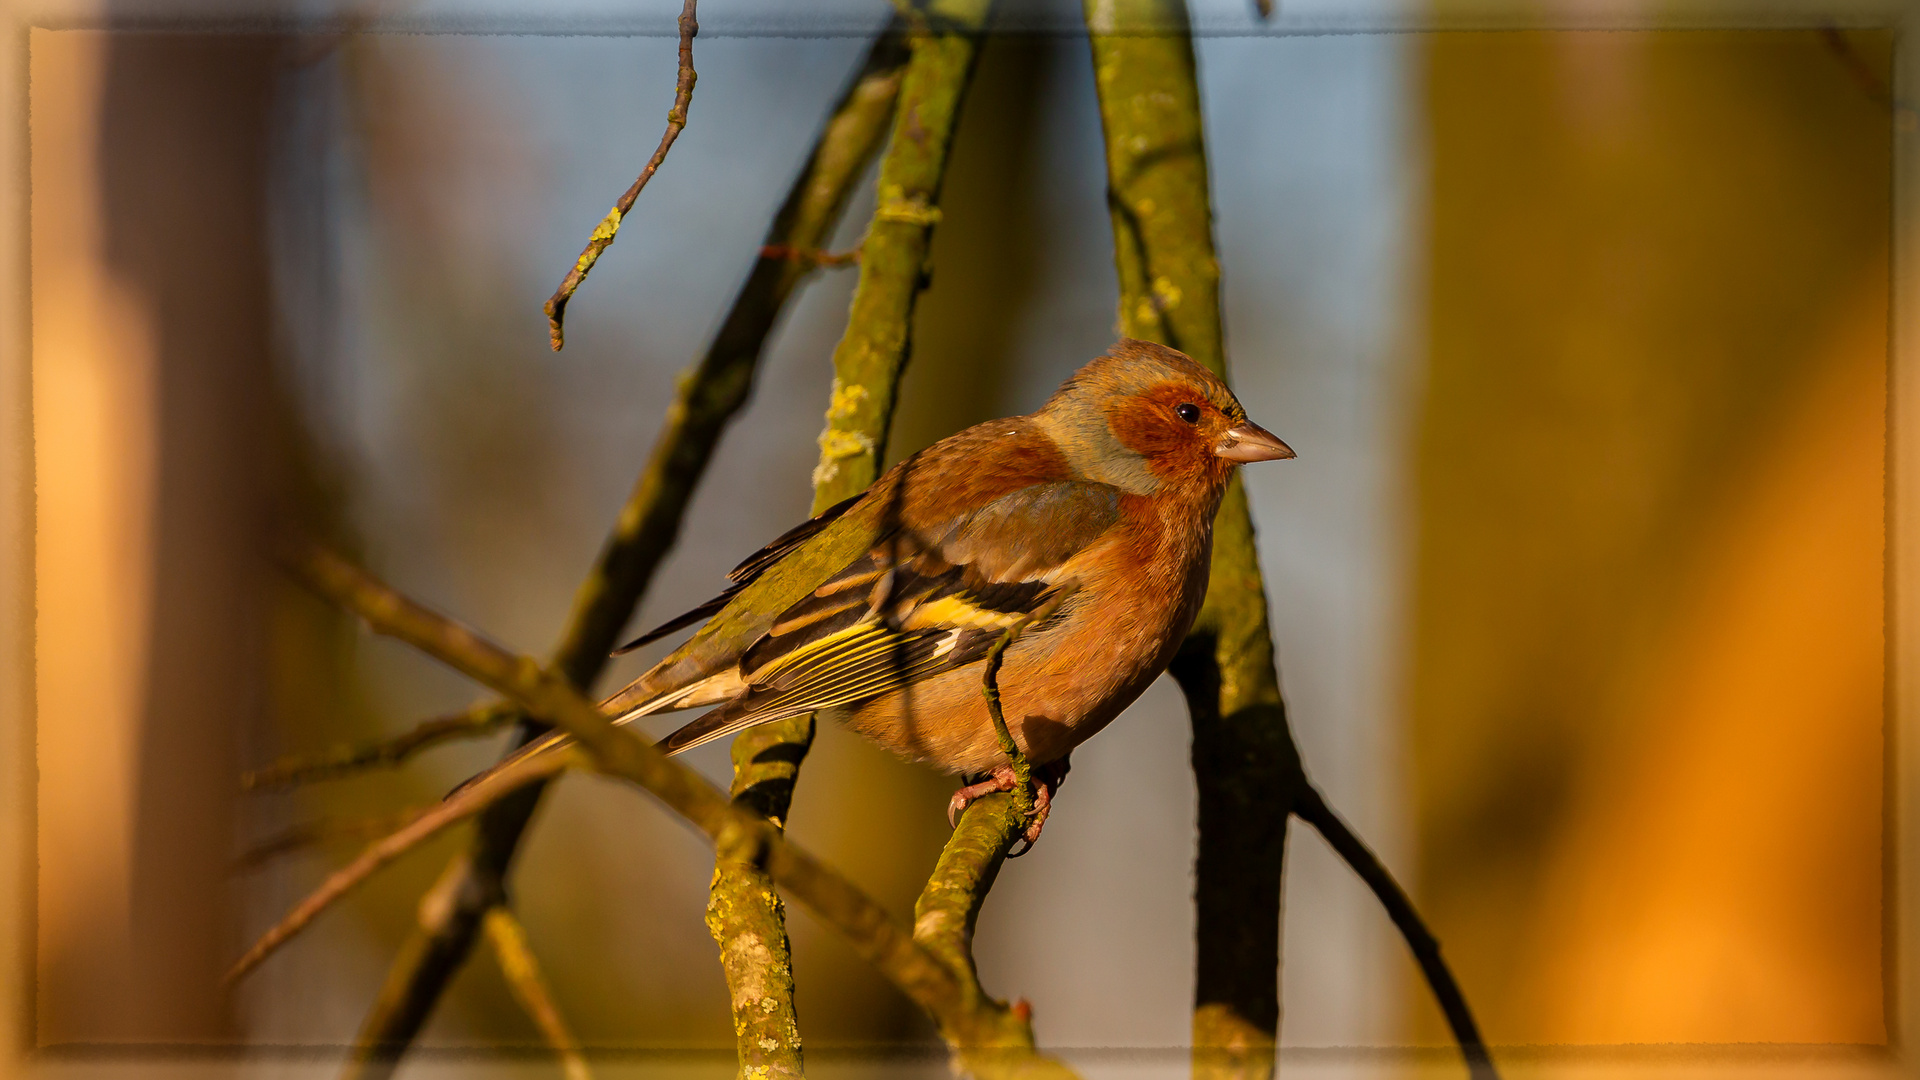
(1047, 779)
(1001, 779)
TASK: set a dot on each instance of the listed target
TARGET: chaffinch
(1090, 521)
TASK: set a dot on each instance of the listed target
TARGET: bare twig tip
(609, 226)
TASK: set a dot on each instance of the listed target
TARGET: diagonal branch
(347, 759)
(1312, 808)
(609, 227)
(737, 834)
(709, 396)
(743, 911)
(522, 971)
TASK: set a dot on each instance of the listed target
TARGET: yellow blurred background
(1637, 730)
(1646, 679)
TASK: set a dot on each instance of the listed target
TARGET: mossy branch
(1001, 1043)
(737, 834)
(609, 227)
(1247, 769)
(872, 354)
(934, 63)
(709, 395)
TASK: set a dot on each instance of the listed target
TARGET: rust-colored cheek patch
(1174, 450)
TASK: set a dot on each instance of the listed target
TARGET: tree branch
(1313, 809)
(709, 396)
(949, 906)
(1246, 768)
(609, 227)
(736, 833)
(457, 807)
(743, 911)
(523, 977)
(350, 758)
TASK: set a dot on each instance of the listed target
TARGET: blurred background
(1578, 581)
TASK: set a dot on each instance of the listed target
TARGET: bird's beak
(1251, 442)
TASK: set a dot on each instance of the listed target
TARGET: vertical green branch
(744, 912)
(708, 397)
(1246, 768)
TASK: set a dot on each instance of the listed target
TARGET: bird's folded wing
(745, 574)
(897, 605)
(909, 611)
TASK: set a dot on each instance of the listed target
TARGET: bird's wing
(745, 574)
(918, 603)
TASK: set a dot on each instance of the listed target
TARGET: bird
(1085, 527)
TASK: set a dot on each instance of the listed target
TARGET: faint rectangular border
(833, 18)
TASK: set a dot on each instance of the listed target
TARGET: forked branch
(708, 396)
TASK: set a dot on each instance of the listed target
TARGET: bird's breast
(1137, 593)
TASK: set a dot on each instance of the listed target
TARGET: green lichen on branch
(1246, 768)
(707, 398)
(893, 257)
(744, 912)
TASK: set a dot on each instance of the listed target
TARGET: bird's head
(1145, 417)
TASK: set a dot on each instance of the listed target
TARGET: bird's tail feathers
(717, 724)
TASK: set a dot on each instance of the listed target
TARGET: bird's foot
(1000, 779)
(1046, 780)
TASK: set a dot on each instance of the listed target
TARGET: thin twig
(1312, 808)
(990, 689)
(522, 971)
(458, 807)
(609, 227)
(350, 758)
(307, 834)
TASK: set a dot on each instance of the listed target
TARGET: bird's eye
(1188, 412)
